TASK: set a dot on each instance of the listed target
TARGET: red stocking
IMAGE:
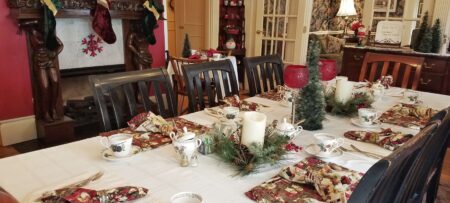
(102, 22)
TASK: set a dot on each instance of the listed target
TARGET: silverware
(370, 154)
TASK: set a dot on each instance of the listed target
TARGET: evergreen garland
(422, 31)
(186, 47)
(425, 43)
(350, 108)
(310, 104)
(436, 37)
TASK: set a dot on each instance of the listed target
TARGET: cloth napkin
(150, 122)
(387, 138)
(243, 105)
(83, 195)
(408, 115)
(311, 180)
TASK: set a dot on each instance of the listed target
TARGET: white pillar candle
(253, 128)
(344, 90)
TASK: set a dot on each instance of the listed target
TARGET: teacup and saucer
(327, 146)
(118, 146)
(367, 118)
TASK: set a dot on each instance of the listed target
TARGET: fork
(376, 156)
(370, 154)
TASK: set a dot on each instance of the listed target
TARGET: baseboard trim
(17, 130)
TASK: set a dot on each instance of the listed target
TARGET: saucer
(285, 103)
(407, 101)
(314, 150)
(109, 155)
(355, 121)
(186, 197)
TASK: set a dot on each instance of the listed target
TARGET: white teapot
(287, 129)
(186, 146)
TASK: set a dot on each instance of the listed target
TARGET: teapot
(186, 146)
(287, 129)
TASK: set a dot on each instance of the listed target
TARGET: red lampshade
(328, 69)
(296, 76)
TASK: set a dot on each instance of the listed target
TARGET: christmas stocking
(150, 22)
(102, 22)
(50, 10)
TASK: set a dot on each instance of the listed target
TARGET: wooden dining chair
(400, 67)
(422, 181)
(178, 80)
(208, 83)
(126, 94)
(383, 180)
(264, 73)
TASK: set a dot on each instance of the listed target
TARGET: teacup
(411, 96)
(230, 112)
(328, 142)
(367, 116)
(120, 144)
(217, 56)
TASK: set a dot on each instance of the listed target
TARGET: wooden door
(171, 31)
(190, 18)
(280, 29)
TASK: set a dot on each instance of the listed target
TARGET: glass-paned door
(277, 29)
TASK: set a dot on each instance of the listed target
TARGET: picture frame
(381, 5)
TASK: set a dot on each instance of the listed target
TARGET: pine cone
(243, 156)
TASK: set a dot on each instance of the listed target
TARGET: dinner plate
(109, 155)
(314, 150)
(357, 122)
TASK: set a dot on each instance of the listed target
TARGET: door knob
(260, 32)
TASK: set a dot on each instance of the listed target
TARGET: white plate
(357, 122)
(213, 112)
(186, 197)
(314, 150)
(108, 154)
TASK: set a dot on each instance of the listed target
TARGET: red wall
(15, 85)
(157, 50)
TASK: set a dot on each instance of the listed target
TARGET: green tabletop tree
(436, 40)
(422, 30)
(186, 47)
(310, 104)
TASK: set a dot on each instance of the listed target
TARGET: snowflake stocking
(102, 22)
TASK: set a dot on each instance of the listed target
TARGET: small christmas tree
(422, 30)
(436, 40)
(186, 47)
(310, 104)
(425, 43)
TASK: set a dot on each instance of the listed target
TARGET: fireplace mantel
(32, 9)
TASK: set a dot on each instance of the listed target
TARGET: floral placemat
(146, 140)
(243, 105)
(307, 181)
(387, 138)
(408, 115)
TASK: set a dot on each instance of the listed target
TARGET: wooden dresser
(435, 71)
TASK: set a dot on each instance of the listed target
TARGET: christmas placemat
(408, 115)
(243, 105)
(307, 181)
(151, 140)
(276, 94)
(387, 138)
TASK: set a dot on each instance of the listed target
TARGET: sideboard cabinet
(435, 75)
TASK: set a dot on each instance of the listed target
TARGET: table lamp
(347, 8)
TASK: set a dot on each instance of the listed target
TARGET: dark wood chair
(129, 93)
(178, 80)
(376, 65)
(212, 81)
(422, 181)
(264, 73)
(383, 180)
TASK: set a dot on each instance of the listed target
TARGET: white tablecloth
(159, 171)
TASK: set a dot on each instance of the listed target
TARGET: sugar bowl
(186, 146)
(287, 129)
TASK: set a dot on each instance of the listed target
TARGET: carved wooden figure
(46, 74)
(138, 45)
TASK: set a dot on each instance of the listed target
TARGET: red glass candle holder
(296, 76)
(327, 69)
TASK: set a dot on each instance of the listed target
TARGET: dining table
(29, 174)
